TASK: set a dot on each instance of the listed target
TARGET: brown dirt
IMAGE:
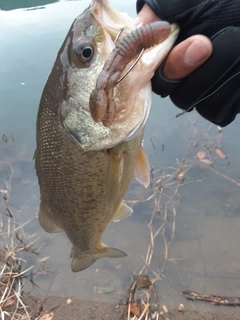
(85, 310)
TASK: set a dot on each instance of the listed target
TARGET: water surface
(201, 214)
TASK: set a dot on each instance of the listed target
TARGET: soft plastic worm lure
(102, 105)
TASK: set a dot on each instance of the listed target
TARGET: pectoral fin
(142, 169)
(123, 212)
(83, 261)
(114, 177)
(46, 223)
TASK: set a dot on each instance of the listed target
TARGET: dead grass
(142, 301)
(12, 274)
(13, 243)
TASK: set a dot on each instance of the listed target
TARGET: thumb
(186, 57)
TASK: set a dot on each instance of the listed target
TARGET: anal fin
(123, 212)
(46, 223)
(142, 169)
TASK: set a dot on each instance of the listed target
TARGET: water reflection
(202, 218)
(16, 4)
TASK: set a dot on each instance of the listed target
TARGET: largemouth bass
(89, 147)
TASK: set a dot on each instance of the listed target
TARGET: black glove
(214, 88)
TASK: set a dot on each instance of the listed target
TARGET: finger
(186, 57)
(146, 15)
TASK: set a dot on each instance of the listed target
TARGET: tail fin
(83, 261)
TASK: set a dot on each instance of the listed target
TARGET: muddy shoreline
(58, 308)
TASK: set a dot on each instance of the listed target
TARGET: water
(202, 212)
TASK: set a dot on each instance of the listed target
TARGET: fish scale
(83, 168)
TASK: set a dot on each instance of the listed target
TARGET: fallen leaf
(165, 309)
(4, 138)
(206, 161)
(201, 155)
(181, 307)
(220, 154)
(122, 308)
(134, 310)
(69, 300)
(9, 302)
(101, 290)
(181, 176)
(8, 213)
(46, 316)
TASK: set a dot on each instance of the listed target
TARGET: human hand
(186, 56)
(198, 72)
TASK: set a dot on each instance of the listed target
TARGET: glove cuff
(161, 85)
(214, 87)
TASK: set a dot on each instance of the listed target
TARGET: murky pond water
(192, 206)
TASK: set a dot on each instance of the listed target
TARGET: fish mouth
(102, 102)
(130, 99)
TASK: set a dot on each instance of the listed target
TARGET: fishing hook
(118, 35)
(132, 66)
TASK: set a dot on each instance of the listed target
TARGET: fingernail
(196, 52)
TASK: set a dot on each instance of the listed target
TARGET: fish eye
(87, 52)
(84, 52)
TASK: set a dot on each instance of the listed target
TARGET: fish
(89, 132)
